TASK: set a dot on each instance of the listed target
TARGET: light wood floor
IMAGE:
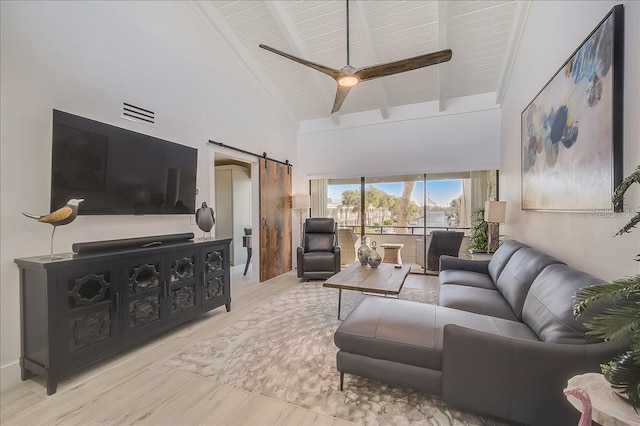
(137, 388)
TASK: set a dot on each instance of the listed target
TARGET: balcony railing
(408, 230)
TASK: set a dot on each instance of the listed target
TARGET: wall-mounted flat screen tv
(119, 172)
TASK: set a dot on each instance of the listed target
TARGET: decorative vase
(374, 257)
(363, 251)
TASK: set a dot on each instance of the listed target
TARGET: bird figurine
(62, 216)
(205, 218)
(583, 397)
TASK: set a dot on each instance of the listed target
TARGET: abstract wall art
(572, 130)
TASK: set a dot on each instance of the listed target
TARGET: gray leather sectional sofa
(502, 341)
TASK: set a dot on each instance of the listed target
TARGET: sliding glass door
(404, 209)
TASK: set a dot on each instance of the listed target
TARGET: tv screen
(119, 172)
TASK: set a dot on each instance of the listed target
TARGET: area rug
(285, 350)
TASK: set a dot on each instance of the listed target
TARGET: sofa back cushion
(518, 274)
(319, 242)
(319, 234)
(502, 256)
(548, 308)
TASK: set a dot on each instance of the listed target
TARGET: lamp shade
(495, 211)
(301, 201)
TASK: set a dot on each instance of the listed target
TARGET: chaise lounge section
(502, 342)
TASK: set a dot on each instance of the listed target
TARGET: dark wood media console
(82, 308)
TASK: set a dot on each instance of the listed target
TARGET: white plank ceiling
(481, 34)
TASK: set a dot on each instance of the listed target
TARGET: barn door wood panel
(275, 219)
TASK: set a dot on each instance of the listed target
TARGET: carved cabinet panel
(181, 295)
(160, 288)
(82, 308)
(88, 301)
(215, 279)
(142, 300)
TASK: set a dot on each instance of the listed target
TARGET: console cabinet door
(215, 276)
(182, 290)
(88, 297)
(142, 295)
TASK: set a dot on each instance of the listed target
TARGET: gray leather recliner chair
(439, 243)
(319, 256)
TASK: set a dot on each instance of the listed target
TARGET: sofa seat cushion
(467, 278)
(478, 300)
(412, 332)
(320, 261)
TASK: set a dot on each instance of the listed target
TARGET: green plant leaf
(619, 324)
(478, 235)
(618, 194)
(624, 375)
(628, 287)
(618, 197)
(630, 225)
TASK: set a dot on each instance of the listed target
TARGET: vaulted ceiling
(482, 34)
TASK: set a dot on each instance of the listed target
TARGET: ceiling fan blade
(326, 70)
(403, 65)
(341, 95)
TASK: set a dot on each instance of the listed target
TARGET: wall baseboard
(9, 375)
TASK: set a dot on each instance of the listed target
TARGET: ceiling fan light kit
(348, 81)
(349, 76)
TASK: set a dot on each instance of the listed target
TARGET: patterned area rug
(285, 350)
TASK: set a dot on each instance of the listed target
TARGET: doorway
(233, 206)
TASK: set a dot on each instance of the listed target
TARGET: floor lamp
(494, 214)
(301, 202)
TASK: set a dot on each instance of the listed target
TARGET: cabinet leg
(228, 305)
(25, 373)
(52, 384)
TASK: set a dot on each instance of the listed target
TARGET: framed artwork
(572, 130)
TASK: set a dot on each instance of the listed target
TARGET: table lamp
(301, 202)
(494, 214)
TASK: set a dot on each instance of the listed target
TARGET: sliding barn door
(275, 219)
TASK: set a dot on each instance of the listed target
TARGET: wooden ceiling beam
(512, 48)
(443, 93)
(288, 30)
(370, 55)
(212, 17)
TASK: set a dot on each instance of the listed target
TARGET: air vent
(135, 113)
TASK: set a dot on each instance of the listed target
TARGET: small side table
(392, 253)
(607, 407)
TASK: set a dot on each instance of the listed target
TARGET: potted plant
(478, 234)
(620, 323)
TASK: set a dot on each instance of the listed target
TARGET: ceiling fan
(348, 76)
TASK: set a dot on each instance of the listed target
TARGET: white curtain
(465, 204)
(318, 197)
(479, 189)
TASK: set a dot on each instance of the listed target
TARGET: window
(403, 204)
(406, 208)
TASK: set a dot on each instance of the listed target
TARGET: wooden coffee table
(384, 280)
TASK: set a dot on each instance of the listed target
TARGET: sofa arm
(336, 250)
(450, 262)
(515, 379)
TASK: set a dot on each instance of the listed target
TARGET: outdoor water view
(402, 210)
(398, 207)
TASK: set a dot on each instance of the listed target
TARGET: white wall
(554, 29)
(86, 58)
(449, 142)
